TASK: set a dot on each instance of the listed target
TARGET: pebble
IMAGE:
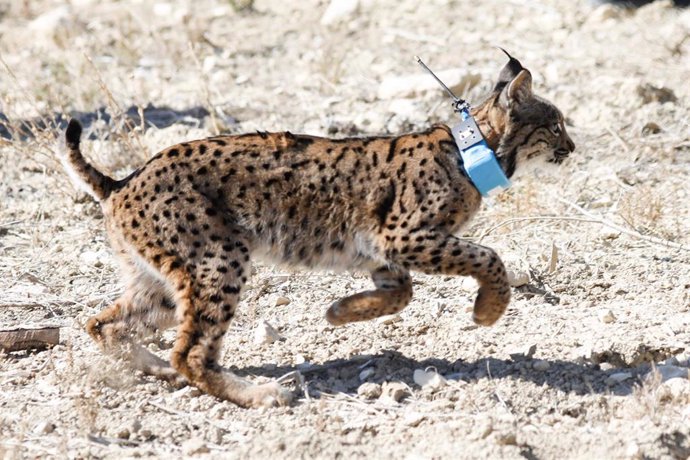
(369, 390)
(650, 93)
(517, 270)
(671, 372)
(524, 352)
(541, 365)
(338, 10)
(394, 392)
(280, 301)
(194, 446)
(94, 258)
(366, 373)
(678, 387)
(265, 334)
(388, 319)
(617, 378)
(44, 427)
(606, 316)
(429, 379)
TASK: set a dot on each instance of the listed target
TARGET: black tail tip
(73, 133)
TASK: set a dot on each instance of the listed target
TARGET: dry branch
(25, 339)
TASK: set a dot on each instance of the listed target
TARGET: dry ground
(615, 300)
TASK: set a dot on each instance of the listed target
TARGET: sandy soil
(565, 374)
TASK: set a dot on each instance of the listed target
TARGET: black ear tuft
(73, 133)
(509, 71)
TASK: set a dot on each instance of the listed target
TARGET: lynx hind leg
(393, 292)
(207, 292)
(142, 310)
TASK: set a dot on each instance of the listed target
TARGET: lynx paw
(269, 395)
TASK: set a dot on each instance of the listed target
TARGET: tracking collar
(476, 159)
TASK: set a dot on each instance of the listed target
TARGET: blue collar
(476, 159)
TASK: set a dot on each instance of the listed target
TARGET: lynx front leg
(437, 253)
(393, 292)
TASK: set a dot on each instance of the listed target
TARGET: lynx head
(520, 126)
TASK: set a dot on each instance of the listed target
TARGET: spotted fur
(186, 225)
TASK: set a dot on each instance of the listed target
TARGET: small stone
(603, 13)
(633, 451)
(369, 390)
(194, 446)
(389, 319)
(678, 387)
(541, 365)
(618, 377)
(651, 128)
(506, 439)
(366, 373)
(44, 427)
(671, 372)
(280, 301)
(606, 316)
(524, 352)
(124, 433)
(299, 359)
(145, 434)
(650, 93)
(265, 334)
(338, 10)
(394, 392)
(413, 419)
(429, 379)
(517, 270)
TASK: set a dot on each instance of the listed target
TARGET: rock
(524, 352)
(369, 390)
(541, 365)
(606, 316)
(650, 93)
(265, 334)
(194, 446)
(506, 439)
(94, 258)
(604, 13)
(299, 359)
(339, 10)
(429, 379)
(678, 387)
(394, 392)
(458, 80)
(366, 373)
(651, 128)
(44, 427)
(517, 270)
(633, 451)
(672, 372)
(618, 377)
(413, 419)
(280, 301)
(124, 433)
(388, 319)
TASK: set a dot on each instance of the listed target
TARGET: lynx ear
(518, 90)
(509, 72)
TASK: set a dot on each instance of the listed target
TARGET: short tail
(94, 182)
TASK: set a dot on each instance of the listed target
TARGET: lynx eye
(556, 128)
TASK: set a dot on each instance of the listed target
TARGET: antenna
(458, 104)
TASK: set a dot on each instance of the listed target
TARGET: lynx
(186, 225)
